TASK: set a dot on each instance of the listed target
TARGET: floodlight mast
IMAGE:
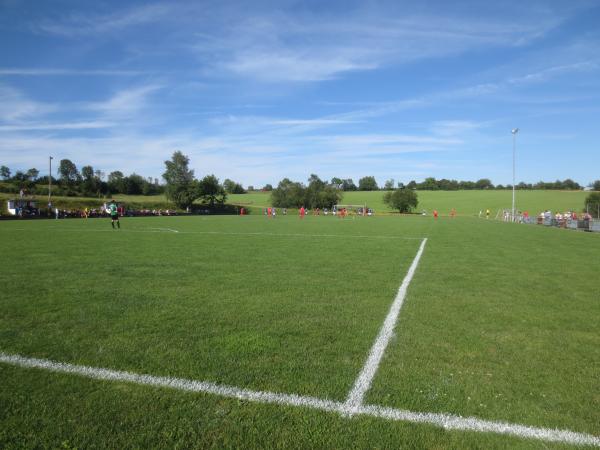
(50, 158)
(514, 133)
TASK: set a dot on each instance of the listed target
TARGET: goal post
(357, 210)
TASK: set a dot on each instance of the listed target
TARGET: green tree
(319, 194)
(20, 176)
(484, 183)
(448, 185)
(134, 184)
(521, 185)
(288, 194)
(404, 200)
(68, 172)
(389, 184)
(87, 172)
(228, 185)
(348, 185)
(5, 172)
(231, 187)
(571, 185)
(90, 184)
(32, 174)
(210, 191)
(337, 182)
(592, 204)
(116, 182)
(311, 195)
(328, 196)
(267, 188)
(180, 187)
(429, 184)
(596, 185)
(367, 184)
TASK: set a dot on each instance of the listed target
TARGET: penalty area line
(446, 421)
(365, 378)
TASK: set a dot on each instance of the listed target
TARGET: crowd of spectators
(103, 212)
(568, 219)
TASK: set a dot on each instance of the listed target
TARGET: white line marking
(361, 236)
(364, 380)
(165, 229)
(447, 421)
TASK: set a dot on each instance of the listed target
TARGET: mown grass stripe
(225, 233)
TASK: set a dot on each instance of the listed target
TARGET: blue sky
(257, 91)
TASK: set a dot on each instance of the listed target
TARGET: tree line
(316, 194)
(369, 183)
(70, 181)
(433, 184)
(182, 188)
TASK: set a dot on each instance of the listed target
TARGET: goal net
(351, 210)
(506, 215)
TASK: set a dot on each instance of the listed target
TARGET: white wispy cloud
(57, 126)
(278, 43)
(370, 140)
(555, 71)
(575, 57)
(454, 127)
(245, 158)
(15, 105)
(125, 103)
(67, 72)
(278, 47)
(90, 24)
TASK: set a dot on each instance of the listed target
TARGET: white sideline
(365, 378)
(446, 421)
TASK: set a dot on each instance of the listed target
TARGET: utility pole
(50, 186)
(514, 133)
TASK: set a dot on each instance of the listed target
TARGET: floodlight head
(515, 131)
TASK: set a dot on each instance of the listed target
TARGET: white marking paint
(171, 230)
(365, 378)
(359, 236)
(446, 421)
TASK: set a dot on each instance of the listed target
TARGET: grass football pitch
(500, 324)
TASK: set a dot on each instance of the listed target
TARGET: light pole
(514, 133)
(50, 185)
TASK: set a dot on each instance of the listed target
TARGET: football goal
(356, 210)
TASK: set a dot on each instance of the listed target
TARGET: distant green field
(500, 323)
(466, 202)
